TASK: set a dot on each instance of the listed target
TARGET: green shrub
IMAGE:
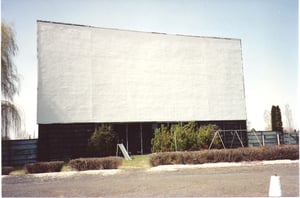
(7, 169)
(205, 135)
(226, 155)
(82, 164)
(44, 167)
(103, 142)
(187, 137)
(163, 140)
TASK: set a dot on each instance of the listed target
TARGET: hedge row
(78, 164)
(44, 167)
(226, 155)
(7, 169)
(82, 164)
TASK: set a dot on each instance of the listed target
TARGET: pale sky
(268, 30)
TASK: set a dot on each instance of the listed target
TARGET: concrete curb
(220, 165)
(175, 167)
(64, 174)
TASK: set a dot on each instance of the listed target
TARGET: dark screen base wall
(63, 141)
(69, 141)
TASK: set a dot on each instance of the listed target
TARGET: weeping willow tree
(10, 116)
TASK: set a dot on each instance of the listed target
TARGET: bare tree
(9, 82)
(267, 119)
(288, 118)
(248, 125)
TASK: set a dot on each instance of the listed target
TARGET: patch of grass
(18, 170)
(67, 167)
(137, 162)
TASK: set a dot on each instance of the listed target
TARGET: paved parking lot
(199, 182)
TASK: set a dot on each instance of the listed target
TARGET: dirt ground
(196, 182)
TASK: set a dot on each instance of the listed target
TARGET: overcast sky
(268, 30)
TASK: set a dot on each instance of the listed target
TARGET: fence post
(278, 141)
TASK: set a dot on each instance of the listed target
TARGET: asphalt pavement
(248, 179)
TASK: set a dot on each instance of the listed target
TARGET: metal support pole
(175, 140)
(141, 128)
(117, 150)
(278, 140)
(127, 137)
(232, 139)
(212, 140)
(257, 138)
(239, 139)
(217, 134)
(221, 140)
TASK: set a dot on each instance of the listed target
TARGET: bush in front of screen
(184, 137)
(103, 142)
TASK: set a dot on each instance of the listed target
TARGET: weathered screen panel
(89, 74)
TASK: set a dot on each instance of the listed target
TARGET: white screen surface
(88, 74)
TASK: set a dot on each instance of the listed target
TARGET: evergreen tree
(276, 120)
(103, 141)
